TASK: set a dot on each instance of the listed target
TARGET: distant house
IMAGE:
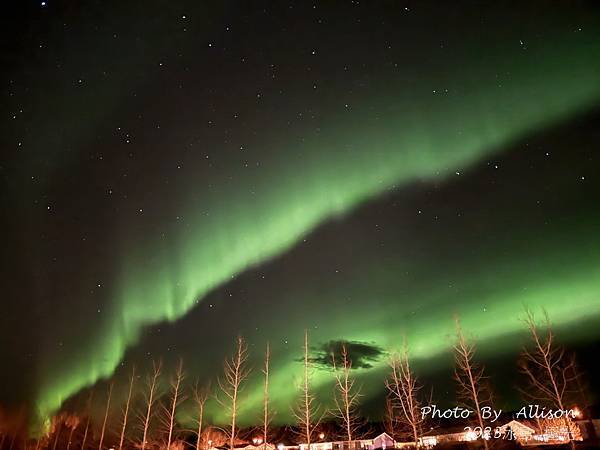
(453, 434)
(257, 447)
(383, 441)
(337, 445)
(520, 431)
(557, 431)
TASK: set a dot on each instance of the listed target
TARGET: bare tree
(72, 422)
(546, 367)
(85, 433)
(200, 397)
(583, 398)
(306, 412)
(235, 372)
(404, 389)
(266, 411)
(582, 389)
(101, 442)
(87, 422)
(346, 395)
(126, 411)
(57, 425)
(176, 399)
(150, 399)
(389, 418)
(472, 384)
(548, 370)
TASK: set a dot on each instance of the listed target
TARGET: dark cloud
(362, 355)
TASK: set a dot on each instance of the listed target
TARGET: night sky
(175, 173)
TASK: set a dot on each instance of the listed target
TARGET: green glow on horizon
(569, 294)
(162, 281)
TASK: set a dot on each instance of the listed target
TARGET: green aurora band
(416, 136)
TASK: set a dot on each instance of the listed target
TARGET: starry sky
(175, 173)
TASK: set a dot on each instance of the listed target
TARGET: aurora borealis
(178, 173)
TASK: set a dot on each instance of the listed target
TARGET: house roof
(446, 430)
(520, 423)
(384, 434)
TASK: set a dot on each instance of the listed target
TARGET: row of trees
(550, 372)
(551, 376)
